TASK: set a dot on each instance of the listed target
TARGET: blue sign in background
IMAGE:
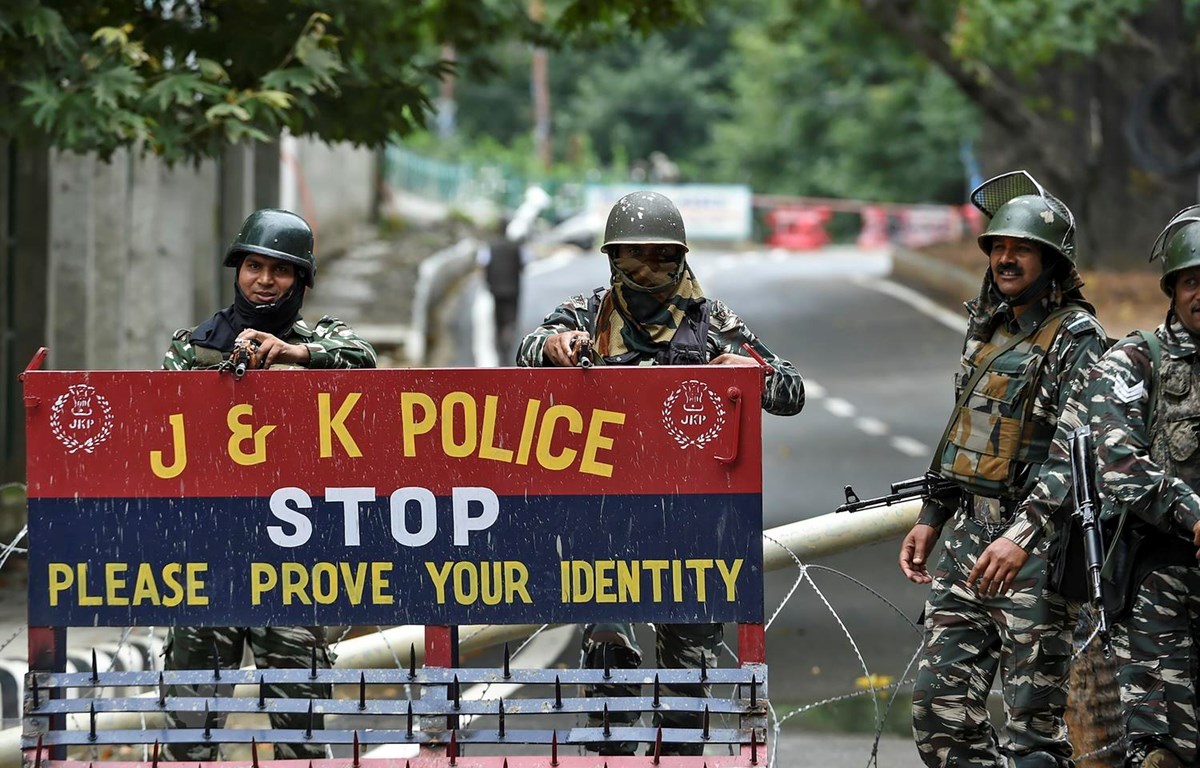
(617, 549)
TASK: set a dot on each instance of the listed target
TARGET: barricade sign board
(450, 496)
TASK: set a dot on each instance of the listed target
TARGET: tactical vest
(992, 435)
(1174, 442)
(689, 345)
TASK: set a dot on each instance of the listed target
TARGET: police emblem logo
(693, 414)
(81, 418)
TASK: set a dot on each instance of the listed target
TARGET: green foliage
(184, 79)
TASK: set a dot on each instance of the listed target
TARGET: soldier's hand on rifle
(997, 567)
(1196, 538)
(563, 348)
(746, 362)
(272, 349)
(915, 551)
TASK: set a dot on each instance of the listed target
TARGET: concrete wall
(333, 186)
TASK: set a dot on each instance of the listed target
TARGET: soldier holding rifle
(990, 609)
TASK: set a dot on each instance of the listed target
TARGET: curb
(946, 284)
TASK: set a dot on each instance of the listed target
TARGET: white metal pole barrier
(810, 539)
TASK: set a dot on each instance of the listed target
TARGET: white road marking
(839, 407)
(871, 426)
(910, 447)
(915, 300)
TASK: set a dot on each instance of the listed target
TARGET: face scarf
(629, 320)
(992, 307)
(222, 329)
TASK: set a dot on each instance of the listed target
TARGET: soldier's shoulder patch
(1082, 323)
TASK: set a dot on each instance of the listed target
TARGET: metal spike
(37, 758)
(703, 668)
(501, 716)
(753, 691)
(216, 658)
(507, 659)
(313, 674)
(355, 763)
(92, 721)
(706, 734)
(554, 749)
(607, 728)
(34, 691)
(162, 692)
(308, 730)
(452, 749)
(254, 752)
(753, 746)
(95, 669)
(408, 729)
(657, 747)
(412, 660)
(207, 726)
(557, 693)
(607, 671)
(154, 755)
(262, 692)
(455, 693)
(505, 765)
(656, 703)
(362, 690)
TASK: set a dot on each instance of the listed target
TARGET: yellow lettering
(527, 431)
(263, 578)
(604, 582)
(114, 582)
(597, 441)
(337, 425)
(84, 597)
(196, 584)
(324, 583)
(179, 442)
(240, 432)
(677, 581)
(470, 422)
(409, 402)
(487, 442)
(629, 581)
(546, 434)
(466, 583)
(379, 583)
(491, 587)
(145, 587)
(61, 576)
(582, 584)
(171, 573)
(439, 576)
(295, 583)
(564, 568)
(516, 577)
(355, 582)
(656, 567)
(700, 566)
(729, 576)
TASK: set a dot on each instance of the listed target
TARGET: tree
(182, 78)
(1099, 98)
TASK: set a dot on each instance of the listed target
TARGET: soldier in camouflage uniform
(653, 313)
(1143, 400)
(273, 256)
(1030, 334)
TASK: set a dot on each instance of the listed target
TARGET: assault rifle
(930, 485)
(1083, 492)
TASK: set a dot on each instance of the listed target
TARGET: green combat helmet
(1178, 245)
(279, 234)
(1018, 206)
(644, 217)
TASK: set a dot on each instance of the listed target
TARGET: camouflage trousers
(273, 648)
(678, 646)
(1156, 646)
(1025, 635)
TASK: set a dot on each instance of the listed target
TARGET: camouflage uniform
(331, 344)
(678, 646)
(1026, 633)
(1152, 473)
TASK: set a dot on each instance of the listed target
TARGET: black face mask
(220, 330)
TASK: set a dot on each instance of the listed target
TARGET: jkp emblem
(693, 414)
(81, 418)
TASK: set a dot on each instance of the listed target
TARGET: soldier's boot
(617, 657)
(1161, 758)
(1040, 760)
